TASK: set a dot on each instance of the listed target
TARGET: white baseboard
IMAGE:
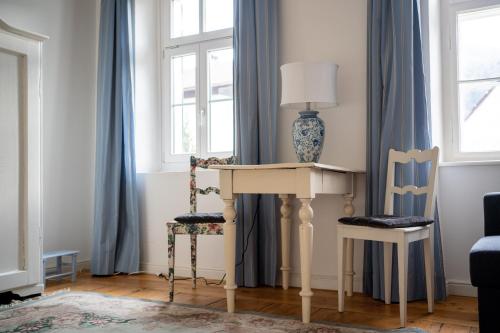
(183, 271)
(318, 281)
(328, 282)
(461, 288)
(81, 265)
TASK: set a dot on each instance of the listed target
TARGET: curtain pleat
(397, 118)
(256, 105)
(116, 221)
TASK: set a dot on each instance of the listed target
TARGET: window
(474, 77)
(197, 79)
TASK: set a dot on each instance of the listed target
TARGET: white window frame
(198, 44)
(451, 113)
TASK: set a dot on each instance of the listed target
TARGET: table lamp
(311, 86)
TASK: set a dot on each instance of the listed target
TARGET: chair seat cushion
(200, 218)
(387, 221)
(485, 262)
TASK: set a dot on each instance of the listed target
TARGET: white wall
(147, 89)
(68, 114)
(461, 191)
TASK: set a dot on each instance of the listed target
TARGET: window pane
(183, 103)
(220, 100)
(184, 129)
(479, 116)
(183, 79)
(221, 126)
(220, 74)
(218, 14)
(478, 46)
(184, 18)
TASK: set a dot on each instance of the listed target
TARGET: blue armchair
(485, 266)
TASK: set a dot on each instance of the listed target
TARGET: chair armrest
(492, 214)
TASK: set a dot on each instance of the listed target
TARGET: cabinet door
(20, 229)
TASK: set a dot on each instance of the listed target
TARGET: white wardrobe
(20, 160)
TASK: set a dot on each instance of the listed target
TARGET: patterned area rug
(75, 312)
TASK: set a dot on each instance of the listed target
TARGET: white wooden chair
(402, 236)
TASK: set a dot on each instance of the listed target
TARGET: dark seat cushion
(387, 221)
(485, 262)
(200, 218)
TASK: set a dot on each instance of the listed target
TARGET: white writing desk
(305, 181)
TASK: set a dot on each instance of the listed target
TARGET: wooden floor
(457, 314)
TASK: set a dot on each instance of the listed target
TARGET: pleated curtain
(256, 105)
(397, 118)
(116, 222)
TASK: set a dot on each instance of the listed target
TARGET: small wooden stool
(59, 266)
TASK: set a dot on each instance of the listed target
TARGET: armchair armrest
(492, 214)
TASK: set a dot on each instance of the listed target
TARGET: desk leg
(349, 270)
(230, 252)
(285, 239)
(306, 244)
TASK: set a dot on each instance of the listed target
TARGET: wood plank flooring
(455, 315)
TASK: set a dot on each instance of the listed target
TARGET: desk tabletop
(284, 166)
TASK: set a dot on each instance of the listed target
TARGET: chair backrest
(395, 156)
(204, 163)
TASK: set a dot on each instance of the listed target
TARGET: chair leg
(43, 273)
(171, 263)
(403, 275)
(193, 261)
(349, 266)
(73, 268)
(59, 266)
(387, 272)
(429, 274)
(341, 249)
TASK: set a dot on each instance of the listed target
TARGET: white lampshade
(315, 83)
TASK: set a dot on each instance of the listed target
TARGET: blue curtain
(397, 118)
(116, 221)
(256, 106)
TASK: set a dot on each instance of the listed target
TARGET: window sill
(183, 169)
(160, 172)
(469, 163)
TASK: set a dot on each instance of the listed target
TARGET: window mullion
(202, 71)
(201, 16)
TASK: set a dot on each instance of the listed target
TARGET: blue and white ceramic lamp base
(308, 133)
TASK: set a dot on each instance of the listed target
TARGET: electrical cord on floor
(163, 276)
(221, 281)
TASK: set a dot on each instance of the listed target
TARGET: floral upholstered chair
(194, 223)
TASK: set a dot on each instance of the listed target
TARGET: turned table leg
(285, 239)
(349, 270)
(306, 247)
(230, 252)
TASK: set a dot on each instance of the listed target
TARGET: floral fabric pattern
(77, 312)
(204, 164)
(193, 229)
